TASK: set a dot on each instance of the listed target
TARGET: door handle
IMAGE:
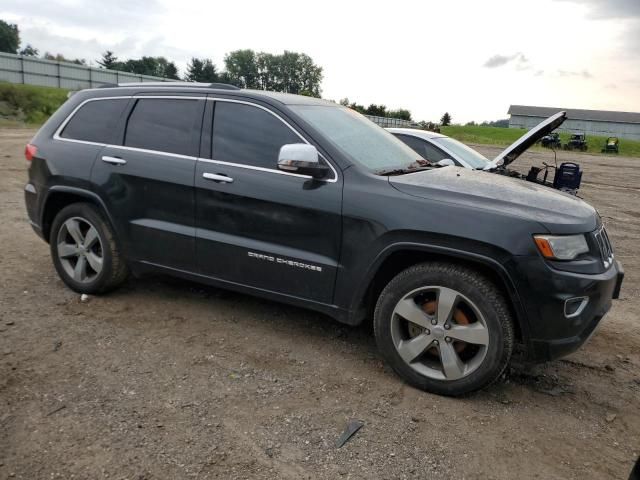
(114, 160)
(217, 178)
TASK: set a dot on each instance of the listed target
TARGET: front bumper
(544, 291)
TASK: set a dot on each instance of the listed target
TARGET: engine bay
(567, 177)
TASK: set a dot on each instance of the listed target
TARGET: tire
(84, 250)
(478, 313)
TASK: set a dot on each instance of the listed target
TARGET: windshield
(467, 154)
(359, 138)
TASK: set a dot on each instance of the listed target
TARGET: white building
(590, 122)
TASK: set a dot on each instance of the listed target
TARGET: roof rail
(221, 86)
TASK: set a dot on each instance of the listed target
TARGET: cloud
(627, 11)
(501, 60)
(600, 9)
(568, 73)
(88, 14)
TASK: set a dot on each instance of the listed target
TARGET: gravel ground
(169, 379)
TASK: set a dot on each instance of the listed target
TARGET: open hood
(517, 148)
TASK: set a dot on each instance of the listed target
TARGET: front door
(257, 225)
(147, 180)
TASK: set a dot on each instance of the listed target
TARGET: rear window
(95, 121)
(165, 125)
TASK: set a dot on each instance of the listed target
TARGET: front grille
(604, 245)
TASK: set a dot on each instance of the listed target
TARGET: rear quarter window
(95, 121)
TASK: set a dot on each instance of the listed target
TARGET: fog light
(574, 306)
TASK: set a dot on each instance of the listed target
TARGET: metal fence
(50, 73)
(392, 122)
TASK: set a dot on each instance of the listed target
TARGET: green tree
(108, 60)
(29, 51)
(445, 120)
(201, 70)
(296, 73)
(9, 37)
(268, 66)
(290, 72)
(377, 110)
(153, 66)
(169, 70)
(401, 113)
(242, 68)
(309, 76)
(58, 57)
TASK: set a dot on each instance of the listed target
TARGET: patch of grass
(506, 136)
(29, 104)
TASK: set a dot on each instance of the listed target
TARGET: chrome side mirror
(446, 162)
(301, 158)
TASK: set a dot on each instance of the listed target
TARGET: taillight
(30, 151)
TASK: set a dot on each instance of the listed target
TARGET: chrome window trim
(154, 152)
(56, 135)
(260, 169)
(265, 169)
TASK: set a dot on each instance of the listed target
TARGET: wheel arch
(58, 197)
(398, 257)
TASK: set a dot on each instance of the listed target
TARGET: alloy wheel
(80, 250)
(439, 333)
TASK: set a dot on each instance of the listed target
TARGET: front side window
(165, 125)
(249, 135)
(95, 121)
(358, 137)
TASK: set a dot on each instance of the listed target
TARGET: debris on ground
(62, 407)
(352, 427)
(610, 418)
(555, 391)
(84, 298)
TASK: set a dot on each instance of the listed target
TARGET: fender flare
(81, 192)
(493, 264)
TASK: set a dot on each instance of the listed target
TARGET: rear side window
(249, 135)
(165, 125)
(95, 121)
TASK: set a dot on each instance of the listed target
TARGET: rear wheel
(444, 328)
(84, 250)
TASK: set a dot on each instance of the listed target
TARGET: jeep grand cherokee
(307, 202)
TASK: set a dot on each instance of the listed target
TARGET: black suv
(307, 202)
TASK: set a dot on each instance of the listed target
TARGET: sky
(470, 58)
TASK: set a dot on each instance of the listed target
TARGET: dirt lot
(168, 379)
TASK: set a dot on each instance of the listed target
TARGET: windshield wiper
(416, 166)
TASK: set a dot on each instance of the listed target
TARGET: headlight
(561, 247)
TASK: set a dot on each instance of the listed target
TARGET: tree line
(289, 72)
(401, 113)
(377, 110)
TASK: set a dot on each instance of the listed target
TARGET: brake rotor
(459, 317)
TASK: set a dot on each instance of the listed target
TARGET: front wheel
(444, 328)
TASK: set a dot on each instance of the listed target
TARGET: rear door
(257, 225)
(146, 179)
